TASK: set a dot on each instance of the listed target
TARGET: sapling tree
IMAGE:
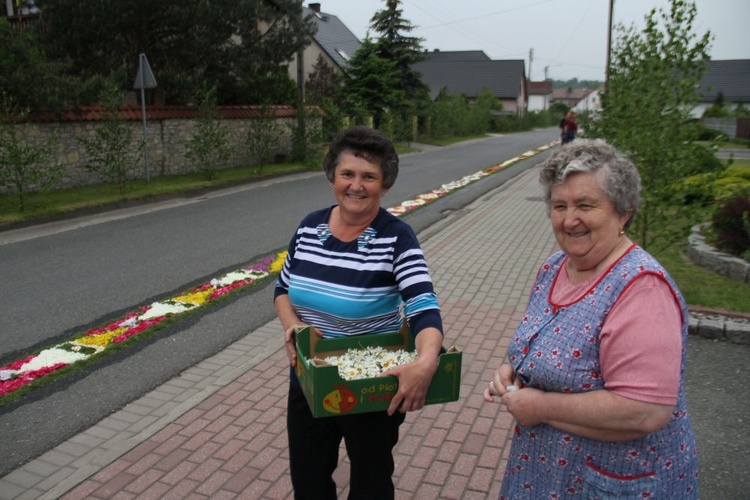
(653, 86)
(263, 136)
(209, 146)
(24, 165)
(114, 150)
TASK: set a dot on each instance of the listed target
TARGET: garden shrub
(709, 134)
(731, 225)
(706, 188)
(706, 160)
(739, 172)
(727, 187)
(697, 189)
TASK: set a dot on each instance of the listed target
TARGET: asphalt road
(716, 382)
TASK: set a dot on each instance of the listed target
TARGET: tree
(370, 84)
(113, 151)
(209, 146)
(323, 83)
(395, 45)
(24, 165)
(233, 45)
(263, 137)
(323, 89)
(653, 77)
(25, 72)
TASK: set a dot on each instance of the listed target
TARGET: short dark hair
(616, 174)
(367, 143)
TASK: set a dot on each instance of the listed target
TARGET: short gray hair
(616, 174)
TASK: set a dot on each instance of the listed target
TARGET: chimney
(315, 7)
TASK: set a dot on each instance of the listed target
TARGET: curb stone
(720, 327)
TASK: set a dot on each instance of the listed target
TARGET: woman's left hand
(523, 405)
(414, 378)
(413, 381)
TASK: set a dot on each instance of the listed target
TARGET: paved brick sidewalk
(219, 429)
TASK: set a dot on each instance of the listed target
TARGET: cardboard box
(330, 395)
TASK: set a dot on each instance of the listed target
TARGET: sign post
(144, 79)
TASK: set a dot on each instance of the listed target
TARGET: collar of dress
(364, 239)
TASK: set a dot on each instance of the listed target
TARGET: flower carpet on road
(87, 345)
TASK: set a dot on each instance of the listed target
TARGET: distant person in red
(568, 127)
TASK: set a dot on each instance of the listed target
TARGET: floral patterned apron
(556, 348)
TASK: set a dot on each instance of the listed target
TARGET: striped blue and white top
(358, 287)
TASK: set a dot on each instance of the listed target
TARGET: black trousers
(314, 450)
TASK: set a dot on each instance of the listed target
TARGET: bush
(705, 160)
(731, 225)
(709, 134)
(727, 187)
(697, 189)
(707, 187)
(738, 172)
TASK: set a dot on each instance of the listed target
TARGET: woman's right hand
(291, 346)
(503, 378)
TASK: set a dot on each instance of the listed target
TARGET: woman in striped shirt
(354, 269)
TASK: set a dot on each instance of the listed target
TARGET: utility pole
(609, 45)
(531, 59)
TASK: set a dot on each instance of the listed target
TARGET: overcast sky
(568, 37)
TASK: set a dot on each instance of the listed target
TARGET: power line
(459, 26)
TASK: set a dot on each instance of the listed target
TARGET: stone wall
(708, 257)
(168, 130)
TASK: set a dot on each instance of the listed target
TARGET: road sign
(145, 78)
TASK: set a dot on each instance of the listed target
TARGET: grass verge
(45, 204)
(701, 287)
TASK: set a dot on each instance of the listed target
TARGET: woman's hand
(413, 381)
(599, 414)
(289, 342)
(291, 347)
(414, 378)
(289, 321)
(504, 380)
(524, 404)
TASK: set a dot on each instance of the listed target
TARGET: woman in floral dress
(595, 370)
